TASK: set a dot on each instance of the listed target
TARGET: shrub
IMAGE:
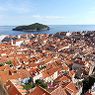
(41, 83)
(28, 86)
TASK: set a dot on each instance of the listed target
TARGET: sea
(7, 30)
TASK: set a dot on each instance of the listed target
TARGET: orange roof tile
(39, 91)
(71, 87)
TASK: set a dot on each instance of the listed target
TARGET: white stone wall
(19, 43)
(39, 76)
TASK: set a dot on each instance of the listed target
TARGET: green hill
(32, 27)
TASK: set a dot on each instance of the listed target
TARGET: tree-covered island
(32, 27)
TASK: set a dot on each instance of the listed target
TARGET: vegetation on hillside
(32, 27)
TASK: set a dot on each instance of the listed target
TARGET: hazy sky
(16, 12)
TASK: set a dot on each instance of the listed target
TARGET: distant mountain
(32, 27)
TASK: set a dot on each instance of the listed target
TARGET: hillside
(32, 27)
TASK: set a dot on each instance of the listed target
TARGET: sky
(50, 12)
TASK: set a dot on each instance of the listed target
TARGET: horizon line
(48, 24)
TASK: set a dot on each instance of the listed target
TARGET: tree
(28, 86)
(2, 64)
(9, 63)
(41, 83)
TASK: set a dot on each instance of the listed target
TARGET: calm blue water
(7, 30)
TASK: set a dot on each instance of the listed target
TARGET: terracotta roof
(39, 91)
(64, 79)
(49, 72)
(23, 73)
(71, 88)
(59, 91)
(71, 73)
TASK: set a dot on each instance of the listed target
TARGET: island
(32, 27)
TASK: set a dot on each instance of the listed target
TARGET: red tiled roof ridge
(71, 89)
(56, 89)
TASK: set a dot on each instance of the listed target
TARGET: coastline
(53, 29)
